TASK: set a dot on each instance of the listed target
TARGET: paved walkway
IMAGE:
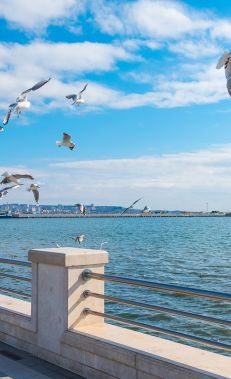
(16, 364)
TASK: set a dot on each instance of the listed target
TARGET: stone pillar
(57, 291)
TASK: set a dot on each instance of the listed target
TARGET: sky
(156, 122)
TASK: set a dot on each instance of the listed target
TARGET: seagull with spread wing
(66, 142)
(77, 99)
(8, 178)
(34, 188)
(131, 206)
(80, 238)
(146, 209)
(22, 101)
(225, 61)
(4, 191)
(82, 208)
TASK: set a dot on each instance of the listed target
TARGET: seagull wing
(83, 88)
(66, 138)
(23, 176)
(131, 206)
(72, 97)
(36, 194)
(8, 188)
(8, 114)
(136, 201)
(126, 210)
(222, 59)
(37, 86)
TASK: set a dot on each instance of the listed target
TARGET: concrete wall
(54, 327)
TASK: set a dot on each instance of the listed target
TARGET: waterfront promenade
(68, 329)
(17, 364)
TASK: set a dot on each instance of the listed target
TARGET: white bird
(146, 209)
(79, 238)
(66, 142)
(102, 243)
(22, 101)
(34, 188)
(131, 206)
(82, 208)
(8, 178)
(225, 60)
(4, 191)
(77, 99)
(57, 245)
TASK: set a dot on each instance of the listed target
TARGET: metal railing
(14, 262)
(212, 295)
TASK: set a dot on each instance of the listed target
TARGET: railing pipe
(15, 262)
(14, 292)
(158, 309)
(87, 274)
(15, 277)
(156, 329)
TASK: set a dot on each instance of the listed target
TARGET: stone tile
(30, 367)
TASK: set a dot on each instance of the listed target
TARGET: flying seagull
(77, 99)
(4, 191)
(66, 142)
(34, 188)
(79, 238)
(82, 208)
(8, 178)
(225, 60)
(131, 206)
(22, 101)
(146, 209)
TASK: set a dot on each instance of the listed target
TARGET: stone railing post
(58, 286)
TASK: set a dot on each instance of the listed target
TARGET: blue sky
(156, 122)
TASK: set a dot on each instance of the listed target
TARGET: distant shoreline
(73, 215)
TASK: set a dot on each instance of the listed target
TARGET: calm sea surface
(193, 252)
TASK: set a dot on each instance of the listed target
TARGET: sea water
(193, 252)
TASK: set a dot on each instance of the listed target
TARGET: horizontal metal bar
(15, 277)
(87, 274)
(158, 309)
(156, 329)
(15, 262)
(14, 292)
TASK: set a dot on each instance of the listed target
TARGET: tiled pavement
(16, 364)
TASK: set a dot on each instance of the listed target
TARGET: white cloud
(150, 18)
(58, 58)
(22, 65)
(182, 180)
(195, 49)
(38, 14)
(222, 29)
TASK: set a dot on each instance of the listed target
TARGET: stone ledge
(68, 256)
(15, 311)
(152, 355)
